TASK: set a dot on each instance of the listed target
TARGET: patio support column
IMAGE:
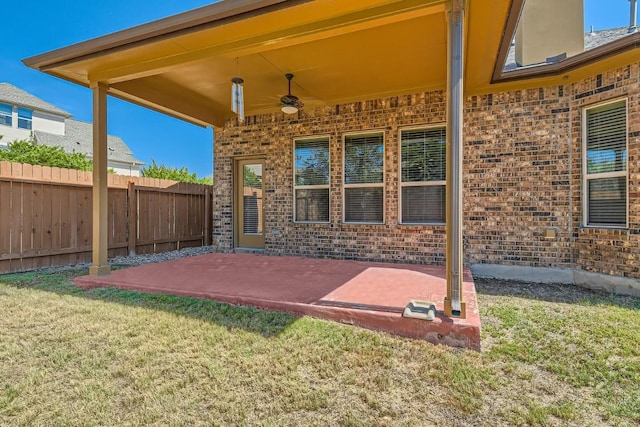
(99, 265)
(453, 304)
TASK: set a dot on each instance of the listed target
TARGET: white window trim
(310, 187)
(374, 185)
(586, 177)
(418, 183)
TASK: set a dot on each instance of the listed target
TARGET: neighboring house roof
(592, 40)
(598, 38)
(12, 95)
(78, 138)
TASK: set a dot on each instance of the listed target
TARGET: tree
(23, 151)
(363, 163)
(423, 159)
(312, 165)
(251, 179)
(175, 174)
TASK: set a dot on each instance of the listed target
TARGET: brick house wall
(517, 178)
(614, 252)
(522, 177)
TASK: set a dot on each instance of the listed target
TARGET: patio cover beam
(453, 304)
(100, 265)
(163, 94)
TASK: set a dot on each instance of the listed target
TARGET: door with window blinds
(249, 202)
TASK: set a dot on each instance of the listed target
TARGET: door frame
(237, 184)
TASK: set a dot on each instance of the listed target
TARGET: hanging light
(289, 109)
(237, 97)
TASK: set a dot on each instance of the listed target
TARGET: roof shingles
(78, 138)
(13, 95)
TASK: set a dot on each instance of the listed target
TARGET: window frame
(28, 120)
(439, 125)
(586, 177)
(311, 187)
(10, 115)
(382, 185)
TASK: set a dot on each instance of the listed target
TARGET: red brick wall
(273, 135)
(522, 175)
(516, 178)
(614, 252)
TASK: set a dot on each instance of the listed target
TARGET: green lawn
(552, 355)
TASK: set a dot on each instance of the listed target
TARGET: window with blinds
(423, 176)
(364, 178)
(6, 112)
(605, 165)
(311, 180)
(25, 118)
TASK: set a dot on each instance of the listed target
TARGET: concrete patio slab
(365, 294)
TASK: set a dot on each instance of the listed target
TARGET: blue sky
(39, 26)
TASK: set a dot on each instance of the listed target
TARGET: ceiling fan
(290, 104)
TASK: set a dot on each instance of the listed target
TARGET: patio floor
(369, 295)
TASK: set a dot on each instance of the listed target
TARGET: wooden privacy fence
(46, 216)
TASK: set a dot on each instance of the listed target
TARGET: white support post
(100, 265)
(453, 304)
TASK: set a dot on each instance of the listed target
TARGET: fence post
(207, 217)
(132, 217)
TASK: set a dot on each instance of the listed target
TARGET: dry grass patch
(577, 350)
(110, 357)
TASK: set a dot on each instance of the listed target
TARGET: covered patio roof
(338, 51)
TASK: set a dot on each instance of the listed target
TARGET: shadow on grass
(553, 292)
(265, 323)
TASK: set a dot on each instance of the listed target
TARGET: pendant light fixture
(237, 97)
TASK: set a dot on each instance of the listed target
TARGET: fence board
(16, 223)
(117, 227)
(46, 216)
(45, 198)
(182, 212)
(34, 213)
(145, 224)
(30, 228)
(5, 218)
(163, 231)
(132, 215)
(72, 216)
